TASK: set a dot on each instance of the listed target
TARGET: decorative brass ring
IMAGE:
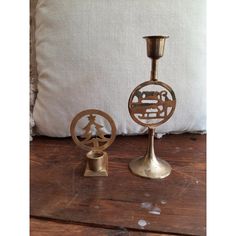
(171, 102)
(92, 112)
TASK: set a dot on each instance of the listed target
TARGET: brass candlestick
(94, 140)
(151, 104)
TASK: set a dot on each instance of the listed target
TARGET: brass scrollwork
(152, 108)
(99, 141)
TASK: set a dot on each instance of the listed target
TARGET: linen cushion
(91, 54)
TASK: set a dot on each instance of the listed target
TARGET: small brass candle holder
(94, 140)
(151, 104)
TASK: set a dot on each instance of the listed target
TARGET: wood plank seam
(125, 229)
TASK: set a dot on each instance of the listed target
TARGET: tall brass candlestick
(151, 104)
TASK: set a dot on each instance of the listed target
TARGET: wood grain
(59, 191)
(50, 228)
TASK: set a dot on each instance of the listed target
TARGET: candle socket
(155, 50)
(97, 164)
(155, 46)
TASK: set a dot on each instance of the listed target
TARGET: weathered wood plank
(40, 227)
(59, 191)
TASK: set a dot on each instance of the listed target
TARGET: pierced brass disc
(152, 103)
(89, 141)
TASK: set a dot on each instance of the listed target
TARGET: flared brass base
(150, 168)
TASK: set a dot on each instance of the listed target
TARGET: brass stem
(150, 166)
(154, 70)
(150, 154)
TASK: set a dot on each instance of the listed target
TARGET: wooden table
(63, 202)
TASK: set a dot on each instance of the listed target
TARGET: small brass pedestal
(94, 139)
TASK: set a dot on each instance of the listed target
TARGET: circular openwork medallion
(152, 103)
(92, 126)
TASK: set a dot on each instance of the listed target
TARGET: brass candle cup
(95, 160)
(155, 46)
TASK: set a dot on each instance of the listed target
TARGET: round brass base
(155, 168)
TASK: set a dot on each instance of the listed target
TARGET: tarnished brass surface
(155, 46)
(97, 164)
(155, 50)
(154, 107)
(97, 160)
(150, 166)
(151, 104)
(100, 141)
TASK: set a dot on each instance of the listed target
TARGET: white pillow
(91, 54)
